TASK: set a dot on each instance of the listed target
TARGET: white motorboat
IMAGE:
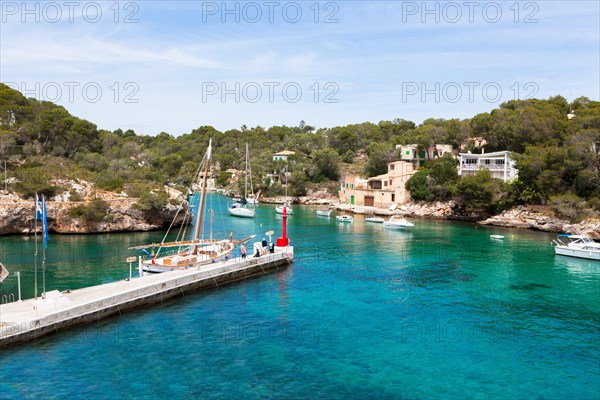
(324, 213)
(344, 218)
(397, 223)
(496, 237)
(576, 246)
(375, 220)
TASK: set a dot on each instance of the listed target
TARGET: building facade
(379, 191)
(410, 152)
(500, 164)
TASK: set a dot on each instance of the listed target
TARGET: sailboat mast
(203, 198)
(246, 175)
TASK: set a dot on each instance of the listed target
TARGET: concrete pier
(26, 320)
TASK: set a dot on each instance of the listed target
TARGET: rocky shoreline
(529, 218)
(521, 217)
(16, 215)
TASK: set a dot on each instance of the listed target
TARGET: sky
(158, 66)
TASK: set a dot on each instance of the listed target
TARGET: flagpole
(36, 248)
(44, 247)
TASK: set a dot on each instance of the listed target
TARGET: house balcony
(475, 167)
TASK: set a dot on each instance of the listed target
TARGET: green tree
(325, 165)
(418, 186)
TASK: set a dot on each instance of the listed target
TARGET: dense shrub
(95, 211)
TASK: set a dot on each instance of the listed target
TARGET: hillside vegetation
(558, 158)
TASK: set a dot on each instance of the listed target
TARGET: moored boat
(344, 218)
(576, 246)
(496, 237)
(279, 209)
(324, 213)
(194, 252)
(375, 220)
(398, 223)
(240, 208)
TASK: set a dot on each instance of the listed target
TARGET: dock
(27, 320)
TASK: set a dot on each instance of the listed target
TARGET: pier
(30, 319)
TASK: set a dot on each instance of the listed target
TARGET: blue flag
(44, 222)
(38, 208)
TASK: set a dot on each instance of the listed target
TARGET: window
(385, 183)
(487, 162)
(391, 167)
(376, 185)
(471, 161)
(500, 162)
(393, 197)
(408, 152)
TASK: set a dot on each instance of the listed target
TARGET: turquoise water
(363, 313)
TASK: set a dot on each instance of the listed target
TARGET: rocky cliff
(17, 216)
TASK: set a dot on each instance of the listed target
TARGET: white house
(283, 155)
(500, 164)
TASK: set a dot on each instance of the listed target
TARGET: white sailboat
(194, 252)
(241, 209)
(286, 205)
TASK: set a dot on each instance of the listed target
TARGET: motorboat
(375, 220)
(496, 237)
(344, 218)
(324, 213)
(397, 223)
(576, 246)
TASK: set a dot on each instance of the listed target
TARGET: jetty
(27, 320)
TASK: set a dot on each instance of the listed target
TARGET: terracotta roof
(285, 153)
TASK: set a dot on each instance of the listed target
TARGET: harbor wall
(117, 300)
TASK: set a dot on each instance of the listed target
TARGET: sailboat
(239, 208)
(286, 205)
(194, 252)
